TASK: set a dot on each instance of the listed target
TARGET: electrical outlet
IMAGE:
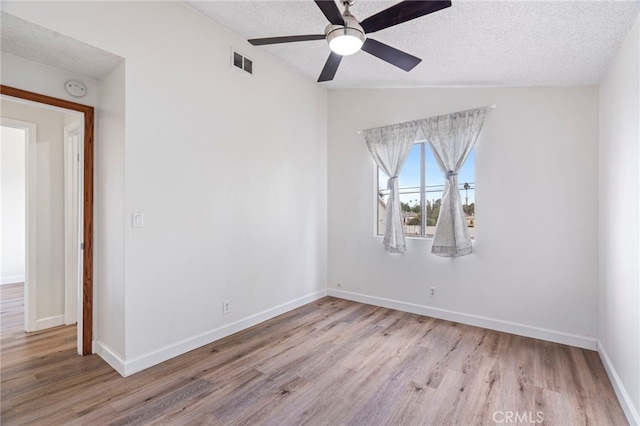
(432, 292)
(226, 306)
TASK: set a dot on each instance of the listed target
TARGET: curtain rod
(488, 106)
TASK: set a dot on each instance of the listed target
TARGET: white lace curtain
(390, 146)
(451, 137)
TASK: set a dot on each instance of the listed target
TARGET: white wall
(619, 294)
(535, 263)
(12, 177)
(50, 207)
(229, 170)
(110, 213)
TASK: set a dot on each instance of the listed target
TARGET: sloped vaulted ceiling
(472, 43)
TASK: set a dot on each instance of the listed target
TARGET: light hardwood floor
(331, 362)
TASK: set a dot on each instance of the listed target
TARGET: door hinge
(81, 246)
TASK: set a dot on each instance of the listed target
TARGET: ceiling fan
(346, 35)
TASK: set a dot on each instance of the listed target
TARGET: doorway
(85, 207)
(19, 244)
(13, 181)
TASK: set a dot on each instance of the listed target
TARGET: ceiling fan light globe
(345, 44)
(345, 39)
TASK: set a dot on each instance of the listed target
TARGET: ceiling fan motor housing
(351, 29)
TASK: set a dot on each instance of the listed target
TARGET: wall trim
(48, 322)
(474, 320)
(129, 367)
(16, 279)
(109, 356)
(621, 392)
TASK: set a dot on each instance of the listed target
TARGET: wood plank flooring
(332, 362)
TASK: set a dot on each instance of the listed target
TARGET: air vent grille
(239, 61)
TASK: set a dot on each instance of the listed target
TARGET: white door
(73, 220)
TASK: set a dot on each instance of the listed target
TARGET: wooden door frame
(87, 253)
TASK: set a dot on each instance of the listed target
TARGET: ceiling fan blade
(331, 11)
(390, 54)
(285, 39)
(401, 12)
(330, 67)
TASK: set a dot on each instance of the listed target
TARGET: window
(421, 184)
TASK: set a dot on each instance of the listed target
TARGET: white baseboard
(109, 356)
(129, 367)
(12, 280)
(475, 320)
(44, 323)
(625, 400)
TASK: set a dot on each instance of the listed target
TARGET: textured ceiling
(472, 43)
(33, 42)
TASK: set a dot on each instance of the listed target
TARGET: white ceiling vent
(239, 61)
